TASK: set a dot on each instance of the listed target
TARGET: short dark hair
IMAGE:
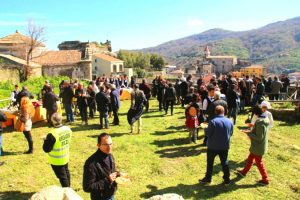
(102, 88)
(210, 87)
(102, 135)
(257, 110)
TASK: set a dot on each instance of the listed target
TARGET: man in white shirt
(14, 94)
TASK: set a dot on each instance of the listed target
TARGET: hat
(265, 104)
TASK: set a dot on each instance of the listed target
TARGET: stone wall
(9, 74)
(288, 115)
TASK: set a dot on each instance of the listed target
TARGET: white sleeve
(12, 96)
(270, 116)
(204, 104)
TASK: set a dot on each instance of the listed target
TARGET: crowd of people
(215, 105)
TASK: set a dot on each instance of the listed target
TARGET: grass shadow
(76, 127)
(8, 153)
(152, 116)
(166, 132)
(173, 142)
(15, 195)
(177, 127)
(181, 152)
(197, 191)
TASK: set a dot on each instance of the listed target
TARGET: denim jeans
(105, 116)
(211, 154)
(69, 112)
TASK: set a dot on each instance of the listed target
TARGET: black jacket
(2, 119)
(102, 102)
(67, 95)
(95, 176)
(23, 93)
(49, 101)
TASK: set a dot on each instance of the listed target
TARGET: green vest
(60, 152)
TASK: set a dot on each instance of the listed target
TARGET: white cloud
(194, 22)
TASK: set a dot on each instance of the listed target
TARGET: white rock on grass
(170, 196)
(56, 193)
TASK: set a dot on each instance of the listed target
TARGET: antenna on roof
(17, 31)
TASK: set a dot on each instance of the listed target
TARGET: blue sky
(133, 24)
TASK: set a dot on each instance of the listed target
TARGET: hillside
(275, 44)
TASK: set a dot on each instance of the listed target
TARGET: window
(114, 68)
(96, 68)
(120, 67)
(95, 60)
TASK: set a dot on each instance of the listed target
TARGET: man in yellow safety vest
(57, 145)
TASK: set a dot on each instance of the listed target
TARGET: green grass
(159, 160)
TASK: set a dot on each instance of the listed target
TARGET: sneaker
(204, 181)
(263, 182)
(227, 182)
(240, 173)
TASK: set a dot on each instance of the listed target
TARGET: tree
(35, 40)
(157, 62)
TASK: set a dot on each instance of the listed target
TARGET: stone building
(65, 63)
(12, 68)
(217, 64)
(17, 45)
(86, 48)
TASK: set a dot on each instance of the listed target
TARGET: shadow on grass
(152, 116)
(172, 142)
(177, 127)
(8, 153)
(77, 127)
(15, 195)
(181, 152)
(166, 132)
(197, 191)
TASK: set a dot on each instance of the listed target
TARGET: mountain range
(274, 45)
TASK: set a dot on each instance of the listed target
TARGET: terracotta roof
(107, 57)
(19, 60)
(63, 57)
(16, 38)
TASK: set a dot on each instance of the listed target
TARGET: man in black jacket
(67, 95)
(103, 106)
(99, 173)
(2, 119)
(49, 102)
(115, 103)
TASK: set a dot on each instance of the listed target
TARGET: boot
(131, 128)
(30, 142)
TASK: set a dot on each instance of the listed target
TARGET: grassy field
(159, 160)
